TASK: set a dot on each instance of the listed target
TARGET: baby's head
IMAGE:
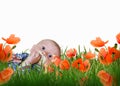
(43, 52)
(49, 47)
(47, 50)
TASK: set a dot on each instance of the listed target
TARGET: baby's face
(43, 52)
(47, 50)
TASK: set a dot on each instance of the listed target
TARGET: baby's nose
(45, 53)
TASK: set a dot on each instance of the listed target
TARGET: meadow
(100, 67)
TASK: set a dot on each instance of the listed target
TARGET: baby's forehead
(50, 46)
(48, 43)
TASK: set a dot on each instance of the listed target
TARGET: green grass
(69, 77)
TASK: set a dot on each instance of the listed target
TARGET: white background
(68, 22)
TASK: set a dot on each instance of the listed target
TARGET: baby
(42, 53)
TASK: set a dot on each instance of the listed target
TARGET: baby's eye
(49, 55)
(43, 48)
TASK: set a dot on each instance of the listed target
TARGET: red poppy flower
(5, 75)
(118, 38)
(98, 42)
(114, 53)
(76, 63)
(80, 65)
(104, 57)
(89, 55)
(5, 53)
(1, 47)
(12, 39)
(71, 52)
(105, 78)
(64, 65)
(56, 60)
(85, 66)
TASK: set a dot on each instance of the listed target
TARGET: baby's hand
(34, 56)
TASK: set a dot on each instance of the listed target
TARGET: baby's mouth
(42, 58)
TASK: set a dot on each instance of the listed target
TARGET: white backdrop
(69, 22)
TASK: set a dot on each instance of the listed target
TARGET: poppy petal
(71, 52)
(5, 75)
(98, 42)
(105, 78)
(89, 55)
(8, 53)
(12, 39)
(118, 38)
(64, 65)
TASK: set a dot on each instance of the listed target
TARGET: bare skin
(43, 53)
